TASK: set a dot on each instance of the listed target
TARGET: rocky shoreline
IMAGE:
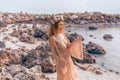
(32, 62)
(69, 18)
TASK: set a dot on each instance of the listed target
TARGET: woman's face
(61, 25)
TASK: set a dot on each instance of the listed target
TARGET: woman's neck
(59, 34)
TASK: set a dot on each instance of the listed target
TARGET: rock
(33, 73)
(15, 56)
(31, 59)
(18, 72)
(3, 58)
(92, 28)
(74, 18)
(27, 38)
(88, 67)
(88, 58)
(31, 40)
(95, 48)
(11, 57)
(40, 34)
(73, 36)
(117, 72)
(95, 70)
(40, 56)
(111, 70)
(28, 34)
(48, 65)
(46, 58)
(4, 74)
(108, 37)
(2, 44)
(15, 33)
(6, 38)
(4, 30)
(90, 35)
(25, 34)
(3, 24)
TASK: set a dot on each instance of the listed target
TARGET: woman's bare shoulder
(57, 43)
(66, 37)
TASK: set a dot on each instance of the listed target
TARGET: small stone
(2, 44)
(92, 28)
(95, 48)
(108, 37)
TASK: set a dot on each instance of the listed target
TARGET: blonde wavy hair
(54, 28)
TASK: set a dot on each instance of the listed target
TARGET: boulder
(40, 56)
(2, 44)
(25, 34)
(27, 38)
(73, 36)
(15, 33)
(33, 73)
(90, 35)
(95, 48)
(38, 33)
(4, 58)
(11, 57)
(3, 24)
(92, 28)
(88, 58)
(108, 37)
(4, 74)
(48, 65)
(31, 59)
(18, 72)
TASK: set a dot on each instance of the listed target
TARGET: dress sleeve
(76, 49)
(57, 49)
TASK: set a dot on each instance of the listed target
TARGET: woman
(60, 48)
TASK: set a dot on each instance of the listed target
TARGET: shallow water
(112, 58)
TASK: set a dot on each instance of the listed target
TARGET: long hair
(54, 30)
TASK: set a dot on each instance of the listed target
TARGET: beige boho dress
(64, 64)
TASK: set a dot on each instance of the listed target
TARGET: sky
(60, 6)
